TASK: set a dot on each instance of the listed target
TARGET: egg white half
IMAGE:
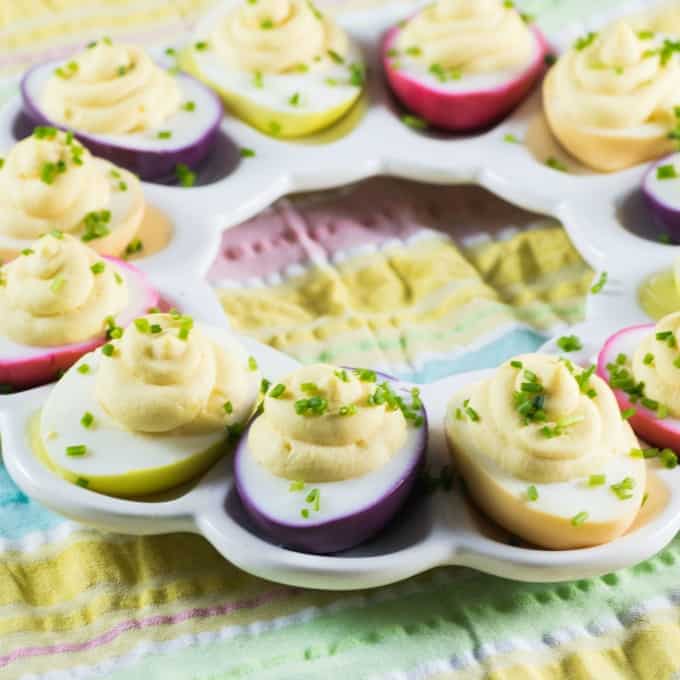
(186, 127)
(119, 461)
(274, 498)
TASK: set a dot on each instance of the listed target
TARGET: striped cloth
(421, 281)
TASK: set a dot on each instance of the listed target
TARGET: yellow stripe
(650, 651)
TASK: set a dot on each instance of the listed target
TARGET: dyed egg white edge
(138, 303)
(381, 144)
(418, 70)
(185, 127)
(112, 449)
(272, 496)
(121, 204)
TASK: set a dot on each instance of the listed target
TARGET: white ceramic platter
(432, 530)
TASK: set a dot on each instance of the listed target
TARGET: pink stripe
(139, 624)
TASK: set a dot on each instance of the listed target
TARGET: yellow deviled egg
(150, 410)
(50, 181)
(280, 65)
(544, 451)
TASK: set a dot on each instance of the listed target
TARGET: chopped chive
(309, 388)
(82, 481)
(556, 164)
(335, 57)
(266, 24)
(142, 325)
(108, 349)
(122, 186)
(274, 128)
(624, 488)
(228, 407)
(76, 450)
(413, 51)
(258, 79)
(246, 152)
(164, 134)
(170, 51)
(645, 35)
(516, 364)
(579, 518)
(201, 46)
(84, 369)
(294, 99)
(27, 251)
(599, 285)
(348, 410)
(252, 363)
(511, 139)
(648, 359)
(185, 176)
(189, 106)
(298, 485)
(342, 374)
(365, 374)
(119, 279)
(532, 493)
(277, 391)
(668, 458)
(264, 385)
(666, 172)
(584, 41)
(645, 496)
(156, 328)
(569, 343)
(597, 480)
(98, 267)
(628, 413)
(87, 420)
(135, 246)
(96, 225)
(676, 362)
(57, 284)
(305, 513)
(413, 122)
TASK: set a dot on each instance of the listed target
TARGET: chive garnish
(666, 172)
(252, 363)
(597, 480)
(335, 57)
(95, 224)
(135, 246)
(57, 284)
(189, 106)
(142, 325)
(119, 279)
(599, 285)
(277, 391)
(628, 413)
(648, 359)
(258, 79)
(413, 122)
(264, 385)
(164, 134)
(532, 493)
(511, 139)
(349, 410)
(246, 152)
(624, 488)
(297, 485)
(365, 374)
(201, 46)
(579, 519)
(516, 364)
(87, 420)
(556, 164)
(108, 349)
(185, 176)
(342, 374)
(98, 268)
(84, 369)
(76, 450)
(584, 41)
(569, 343)
(294, 99)
(27, 251)
(228, 407)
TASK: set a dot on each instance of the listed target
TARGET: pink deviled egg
(462, 65)
(642, 365)
(59, 300)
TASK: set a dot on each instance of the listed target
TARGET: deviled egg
(545, 453)
(612, 99)
(463, 64)
(50, 181)
(125, 108)
(58, 300)
(151, 409)
(642, 366)
(280, 65)
(332, 457)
